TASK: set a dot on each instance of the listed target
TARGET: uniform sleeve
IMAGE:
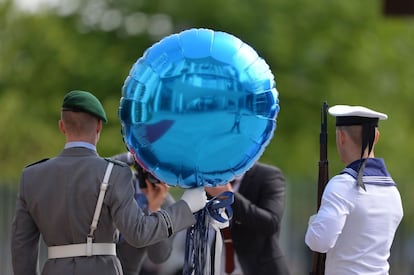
(269, 208)
(24, 237)
(324, 228)
(160, 252)
(137, 228)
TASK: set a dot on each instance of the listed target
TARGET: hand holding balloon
(215, 191)
(196, 198)
(156, 194)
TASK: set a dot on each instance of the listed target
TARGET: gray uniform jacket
(132, 258)
(57, 199)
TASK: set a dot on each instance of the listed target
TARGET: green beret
(81, 101)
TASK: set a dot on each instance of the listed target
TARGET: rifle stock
(318, 259)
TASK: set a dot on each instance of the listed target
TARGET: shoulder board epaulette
(37, 162)
(117, 162)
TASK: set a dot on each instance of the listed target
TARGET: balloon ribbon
(197, 241)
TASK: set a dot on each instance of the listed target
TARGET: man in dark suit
(258, 207)
(77, 200)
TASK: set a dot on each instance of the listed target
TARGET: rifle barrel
(318, 259)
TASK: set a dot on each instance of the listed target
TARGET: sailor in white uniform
(361, 207)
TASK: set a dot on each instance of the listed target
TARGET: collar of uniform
(80, 144)
(375, 171)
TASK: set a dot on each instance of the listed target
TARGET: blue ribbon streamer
(197, 235)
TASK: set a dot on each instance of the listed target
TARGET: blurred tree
(344, 52)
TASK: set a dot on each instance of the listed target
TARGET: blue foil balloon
(198, 108)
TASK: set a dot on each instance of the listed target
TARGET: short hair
(354, 132)
(79, 123)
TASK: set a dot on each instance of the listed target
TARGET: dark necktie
(228, 250)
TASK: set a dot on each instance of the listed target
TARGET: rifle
(318, 259)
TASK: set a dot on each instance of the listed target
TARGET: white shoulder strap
(98, 208)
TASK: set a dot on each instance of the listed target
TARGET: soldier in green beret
(78, 199)
(80, 101)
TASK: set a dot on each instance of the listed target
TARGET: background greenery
(345, 52)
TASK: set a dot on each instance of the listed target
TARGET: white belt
(83, 249)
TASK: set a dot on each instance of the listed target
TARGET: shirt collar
(80, 144)
(236, 182)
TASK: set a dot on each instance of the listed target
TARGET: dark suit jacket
(257, 214)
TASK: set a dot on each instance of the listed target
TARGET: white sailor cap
(355, 115)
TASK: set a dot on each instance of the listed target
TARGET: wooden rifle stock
(318, 259)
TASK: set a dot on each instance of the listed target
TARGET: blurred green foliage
(345, 52)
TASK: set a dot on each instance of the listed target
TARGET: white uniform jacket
(356, 227)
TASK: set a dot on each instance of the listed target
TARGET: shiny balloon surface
(198, 108)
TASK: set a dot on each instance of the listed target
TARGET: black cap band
(356, 120)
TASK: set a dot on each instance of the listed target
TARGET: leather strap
(98, 208)
(89, 248)
(228, 250)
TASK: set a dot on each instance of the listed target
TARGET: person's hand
(196, 198)
(215, 191)
(156, 194)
